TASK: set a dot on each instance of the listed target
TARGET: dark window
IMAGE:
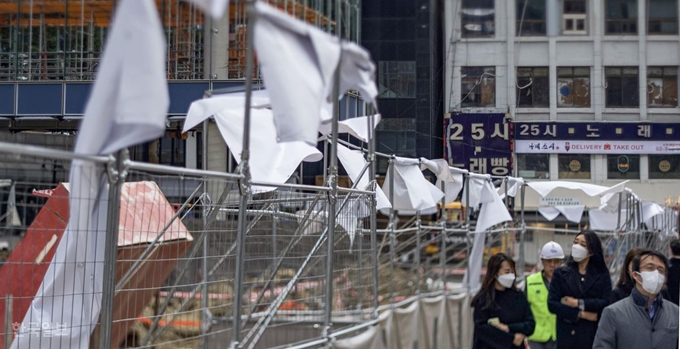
(395, 136)
(662, 87)
(621, 17)
(533, 166)
(575, 17)
(199, 149)
(478, 86)
(573, 166)
(662, 17)
(533, 87)
(623, 166)
(531, 17)
(169, 150)
(573, 87)
(664, 167)
(477, 18)
(397, 79)
(622, 87)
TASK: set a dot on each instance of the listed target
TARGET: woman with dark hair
(579, 291)
(503, 318)
(626, 283)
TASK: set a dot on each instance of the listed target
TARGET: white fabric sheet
(513, 185)
(476, 184)
(544, 188)
(406, 326)
(353, 162)
(451, 176)
(270, 161)
(605, 221)
(357, 72)
(357, 127)
(214, 8)
(128, 106)
(297, 62)
(493, 209)
(369, 339)
(412, 191)
(204, 108)
(571, 213)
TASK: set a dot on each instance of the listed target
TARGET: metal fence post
(374, 202)
(8, 321)
(442, 235)
(244, 185)
(522, 263)
(468, 215)
(117, 173)
(392, 232)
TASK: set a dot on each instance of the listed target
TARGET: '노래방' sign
(480, 143)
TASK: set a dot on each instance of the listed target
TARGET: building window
(664, 167)
(395, 136)
(477, 18)
(621, 17)
(397, 79)
(575, 17)
(573, 166)
(623, 166)
(533, 166)
(478, 86)
(662, 17)
(622, 87)
(533, 89)
(531, 17)
(662, 87)
(573, 87)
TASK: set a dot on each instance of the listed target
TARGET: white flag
(128, 105)
(214, 8)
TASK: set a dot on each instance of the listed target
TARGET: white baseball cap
(552, 250)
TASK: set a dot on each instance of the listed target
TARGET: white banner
(597, 147)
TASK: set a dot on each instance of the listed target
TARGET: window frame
(564, 80)
(584, 166)
(623, 77)
(654, 162)
(633, 21)
(527, 82)
(669, 100)
(482, 21)
(480, 77)
(543, 173)
(575, 17)
(612, 159)
(521, 22)
(649, 20)
(406, 79)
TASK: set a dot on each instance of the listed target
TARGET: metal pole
(244, 186)
(522, 234)
(468, 215)
(392, 224)
(442, 236)
(206, 209)
(618, 220)
(8, 321)
(416, 254)
(117, 173)
(373, 220)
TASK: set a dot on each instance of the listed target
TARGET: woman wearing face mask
(503, 319)
(579, 291)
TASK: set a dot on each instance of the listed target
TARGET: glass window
(531, 18)
(533, 166)
(623, 166)
(575, 17)
(477, 18)
(533, 89)
(662, 87)
(662, 17)
(573, 166)
(397, 79)
(622, 87)
(664, 167)
(395, 136)
(573, 87)
(621, 17)
(478, 86)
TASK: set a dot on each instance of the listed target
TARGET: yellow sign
(575, 165)
(664, 166)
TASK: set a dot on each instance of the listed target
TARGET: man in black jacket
(673, 282)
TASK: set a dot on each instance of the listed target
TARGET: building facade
(590, 86)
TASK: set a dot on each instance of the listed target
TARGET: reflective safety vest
(546, 322)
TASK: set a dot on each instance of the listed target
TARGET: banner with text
(480, 143)
(597, 138)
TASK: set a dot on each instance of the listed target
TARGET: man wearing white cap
(537, 285)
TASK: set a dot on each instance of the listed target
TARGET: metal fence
(206, 258)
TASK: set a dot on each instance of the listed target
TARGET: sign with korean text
(479, 143)
(597, 138)
(559, 201)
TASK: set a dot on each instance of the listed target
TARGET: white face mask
(652, 281)
(579, 252)
(506, 280)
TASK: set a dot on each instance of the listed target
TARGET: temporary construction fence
(186, 278)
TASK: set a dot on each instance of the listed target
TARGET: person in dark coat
(503, 318)
(626, 283)
(579, 291)
(673, 281)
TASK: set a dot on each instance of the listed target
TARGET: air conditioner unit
(574, 24)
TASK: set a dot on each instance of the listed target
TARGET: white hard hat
(552, 250)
